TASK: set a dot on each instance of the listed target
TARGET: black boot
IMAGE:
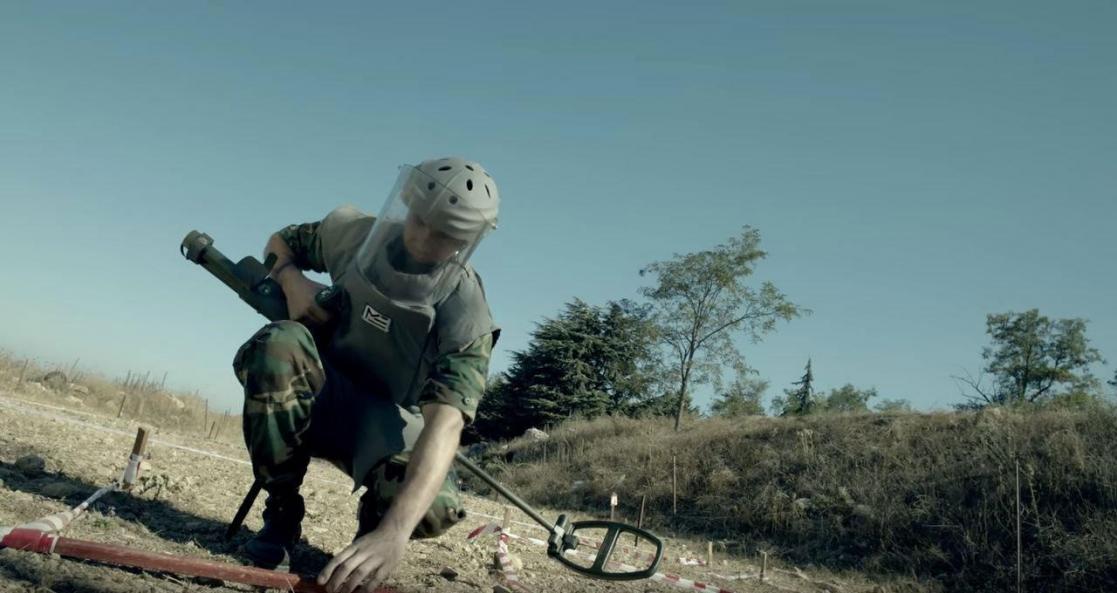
(273, 545)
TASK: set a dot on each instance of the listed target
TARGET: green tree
(587, 361)
(702, 301)
(495, 413)
(847, 398)
(742, 398)
(799, 400)
(626, 358)
(1031, 357)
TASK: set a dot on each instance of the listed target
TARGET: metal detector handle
(249, 279)
(613, 533)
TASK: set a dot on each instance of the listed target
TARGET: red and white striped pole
(40, 542)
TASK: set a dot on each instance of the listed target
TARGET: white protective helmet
(456, 196)
(432, 222)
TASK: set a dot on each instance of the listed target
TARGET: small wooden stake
(212, 428)
(139, 446)
(123, 399)
(763, 565)
(613, 506)
(507, 520)
(205, 417)
(709, 553)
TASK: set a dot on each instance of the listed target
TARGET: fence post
(23, 370)
(123, 399)
(205, 417)
(640, 521)
(674, 486)
(221, 426)
(1019, 538)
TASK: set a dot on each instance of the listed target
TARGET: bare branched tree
(702, 300)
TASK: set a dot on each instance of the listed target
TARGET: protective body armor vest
(388, 340)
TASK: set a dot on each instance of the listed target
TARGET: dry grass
(929, 494)
(137, 397)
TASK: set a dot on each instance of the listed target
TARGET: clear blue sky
(912, 166)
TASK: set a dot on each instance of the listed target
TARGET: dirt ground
(190, 489)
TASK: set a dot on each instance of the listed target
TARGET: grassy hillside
(929, 494)
(136, 396)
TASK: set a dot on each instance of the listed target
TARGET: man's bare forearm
(426, 470)
(284, 264)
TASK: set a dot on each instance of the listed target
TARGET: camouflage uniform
(300, 404)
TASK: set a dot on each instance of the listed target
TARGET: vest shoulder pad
(341, 234)
(464, 316)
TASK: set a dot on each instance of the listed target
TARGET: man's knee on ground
(384, 482)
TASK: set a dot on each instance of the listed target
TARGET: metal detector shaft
(506, 493)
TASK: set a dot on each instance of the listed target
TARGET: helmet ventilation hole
(445, 168)
(487, 192)
(453, 199)
(469, 167)
(430, 186)
(469, 184)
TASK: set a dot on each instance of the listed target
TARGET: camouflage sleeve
(305, 242)
(458, 378)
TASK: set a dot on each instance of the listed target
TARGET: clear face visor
(421, 240)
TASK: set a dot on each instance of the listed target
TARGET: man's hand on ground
(366, 562)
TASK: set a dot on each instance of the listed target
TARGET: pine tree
(800, 400)
(587, 361)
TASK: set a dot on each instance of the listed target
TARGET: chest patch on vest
(375, 319)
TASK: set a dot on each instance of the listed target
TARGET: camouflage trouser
(298, 406)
